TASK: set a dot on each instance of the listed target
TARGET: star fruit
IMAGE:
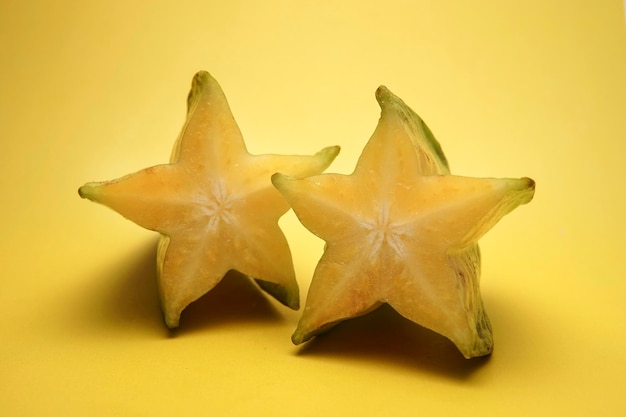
(214, 206)
(401, 230)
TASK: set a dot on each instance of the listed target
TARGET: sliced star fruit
(401, 230)
(214, 206)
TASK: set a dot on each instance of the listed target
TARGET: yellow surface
(514, 88)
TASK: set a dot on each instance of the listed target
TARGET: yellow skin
(213, 204)
(401, 230)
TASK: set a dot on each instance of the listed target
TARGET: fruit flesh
(401, 230)
(213, 204)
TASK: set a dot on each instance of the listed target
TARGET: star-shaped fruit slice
(401, 230)
(214, 205)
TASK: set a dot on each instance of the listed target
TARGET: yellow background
(95, 90)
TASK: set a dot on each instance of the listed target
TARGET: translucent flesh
(214, 206)
(401, 230)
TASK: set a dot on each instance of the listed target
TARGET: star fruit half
(214, 205)
(401, 230)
